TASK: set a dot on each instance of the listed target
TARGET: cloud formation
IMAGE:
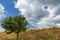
(40, 13)
(1, 11)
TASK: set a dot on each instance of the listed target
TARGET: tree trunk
(17, 36)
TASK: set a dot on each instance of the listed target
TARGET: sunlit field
(43, 34)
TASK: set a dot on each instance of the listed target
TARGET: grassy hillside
(43, 34)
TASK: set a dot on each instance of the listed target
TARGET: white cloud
(1, 11)
(2, 15)
(36, 14)
(2, 29)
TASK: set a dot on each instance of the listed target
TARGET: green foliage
(14, 24)
(8, 24)
(20, 23)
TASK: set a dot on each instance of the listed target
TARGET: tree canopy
(15, 24)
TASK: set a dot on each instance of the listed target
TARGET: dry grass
(43, 34)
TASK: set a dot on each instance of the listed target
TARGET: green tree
(15, 24)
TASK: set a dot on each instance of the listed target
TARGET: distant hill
(43, 34)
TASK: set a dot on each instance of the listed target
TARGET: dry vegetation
(43, 34)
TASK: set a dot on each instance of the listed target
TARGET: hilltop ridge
(42, 34)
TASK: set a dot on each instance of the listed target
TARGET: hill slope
(43, 34)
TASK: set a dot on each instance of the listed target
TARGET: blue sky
(39, 14)
(9, 7)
